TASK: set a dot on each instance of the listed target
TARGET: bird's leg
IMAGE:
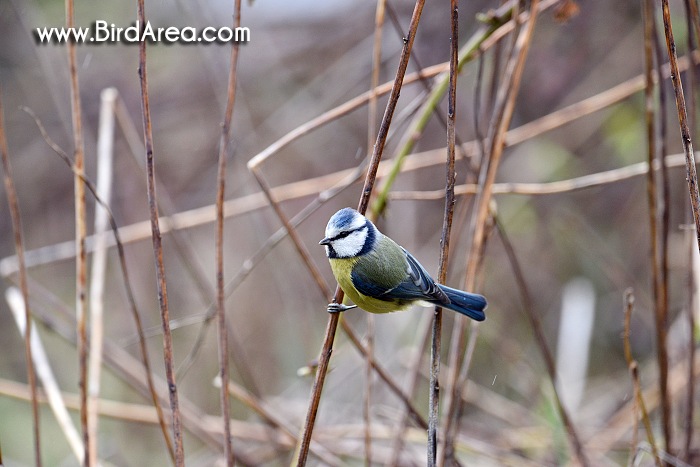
(338, 307)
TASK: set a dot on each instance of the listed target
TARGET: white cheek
(350, 245)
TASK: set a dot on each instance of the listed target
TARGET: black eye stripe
(342, 235)
(346, 233)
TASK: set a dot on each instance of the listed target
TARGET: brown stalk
(660, 311)
(693, 20)
(220, 284)
(436, 335)
(675, 66)
(499, 127)
(136, 315)
(634, 373)
(332, 325)
(158, 248)
(371, 135)
(16, 219)
(692, 179)
(90, 457)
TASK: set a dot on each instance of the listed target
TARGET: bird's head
(349, 234)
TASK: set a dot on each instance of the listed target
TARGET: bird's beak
(325, 241)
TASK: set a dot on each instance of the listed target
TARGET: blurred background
(579, 250)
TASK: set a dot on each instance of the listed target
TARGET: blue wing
(417, 284)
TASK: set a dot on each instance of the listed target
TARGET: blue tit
(380, 276)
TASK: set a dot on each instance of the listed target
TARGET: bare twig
(220, 194)
(693, 21)
(371, 135)
(16, 220)
(80, 234)
(327, 347)
(502, 118)
(158, 248)
(692, 179)
(660, 311)
(436, 337)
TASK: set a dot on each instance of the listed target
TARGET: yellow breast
(342, 268)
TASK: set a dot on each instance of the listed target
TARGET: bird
(380, 276)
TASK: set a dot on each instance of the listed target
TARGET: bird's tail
(466, 303)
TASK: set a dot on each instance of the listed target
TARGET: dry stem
(80, 234)
(158, 249)
(327, 347)
(692, 179)
(220, 283)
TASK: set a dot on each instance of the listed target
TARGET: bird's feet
(338, 307)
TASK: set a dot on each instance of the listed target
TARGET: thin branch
(323, 287)
(16, 220)
(692, 180)
(158, 248)
(327, 348)
(682, 118)
(80, 234)
(693, 21)
(220, 194)
(660, 310)
(436, 335)
(501, 121)
(379, 16)
(248, 203)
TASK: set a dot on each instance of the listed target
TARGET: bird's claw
(339, 307)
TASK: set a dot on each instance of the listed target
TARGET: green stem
(467, 53)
